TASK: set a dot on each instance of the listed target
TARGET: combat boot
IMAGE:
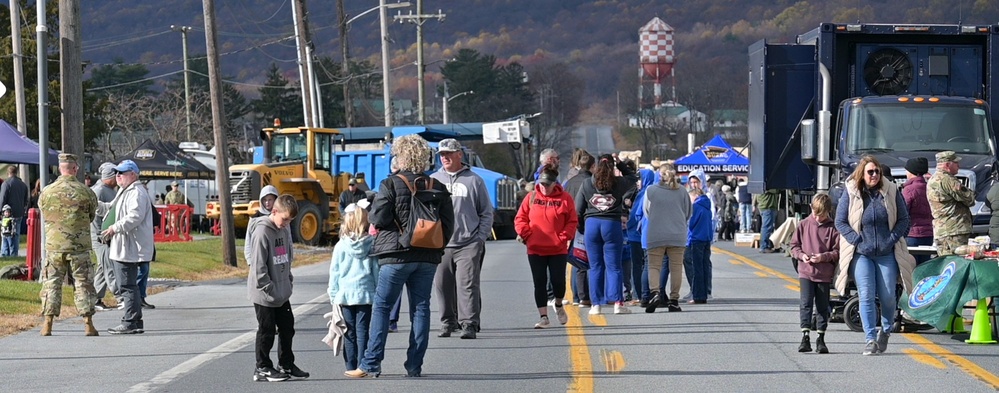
(47, 326)
(89, 326)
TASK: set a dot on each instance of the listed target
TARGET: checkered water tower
(655, 55)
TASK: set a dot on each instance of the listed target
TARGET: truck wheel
(306, 228)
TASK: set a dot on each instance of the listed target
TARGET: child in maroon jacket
(546, 223)
(815, 244)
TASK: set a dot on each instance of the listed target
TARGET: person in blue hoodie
(353, 278)
(634, 237)
(699, 235)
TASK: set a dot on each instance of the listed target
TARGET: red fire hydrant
(34, 257)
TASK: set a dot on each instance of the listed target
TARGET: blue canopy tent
(18, 149)
(715, 157)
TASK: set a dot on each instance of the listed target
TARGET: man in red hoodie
(546, 223)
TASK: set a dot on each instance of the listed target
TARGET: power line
(135, 81)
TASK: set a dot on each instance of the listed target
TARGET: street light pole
(187, 78)
(448, 99)
(385, 64)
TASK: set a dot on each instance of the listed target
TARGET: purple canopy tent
(18, 149)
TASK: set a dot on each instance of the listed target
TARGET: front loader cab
(299, 160)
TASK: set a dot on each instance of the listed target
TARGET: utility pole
(187, 78)
(419, 18)
(41, 40)
(221, 144)
(302, 40)
(71, 79)
(348, 105)
(386, 92)
(19, 101)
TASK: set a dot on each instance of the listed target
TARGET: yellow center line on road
(613, 361)
(965, 365)
(579, 351)
(932, 348)
(757, 266)
(924, 358)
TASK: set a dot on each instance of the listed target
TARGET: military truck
(900, 90)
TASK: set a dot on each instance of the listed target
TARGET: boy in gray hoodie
(269, 284)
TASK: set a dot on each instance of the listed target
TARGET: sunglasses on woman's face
(873, 172)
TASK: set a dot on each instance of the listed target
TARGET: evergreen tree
(278, 100)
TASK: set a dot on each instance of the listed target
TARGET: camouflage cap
(67, 158)
(448, 145)
(948, 156)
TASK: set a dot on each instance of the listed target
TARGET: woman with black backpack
(599, 205)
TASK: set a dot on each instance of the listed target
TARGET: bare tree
(559, 92)
(662, 134)
(130, 119)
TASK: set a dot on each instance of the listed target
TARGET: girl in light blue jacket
(353, 276)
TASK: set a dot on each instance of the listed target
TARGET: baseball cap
(546, 178)
(448, 145)
(127, 166)
(352, 181)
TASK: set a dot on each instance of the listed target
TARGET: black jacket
(15, 193)
(608, 204)
(390, 213)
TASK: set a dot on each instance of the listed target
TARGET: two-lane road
(200, 338)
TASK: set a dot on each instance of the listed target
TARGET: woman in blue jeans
(872, 221)
(401, 264)
(599, 204)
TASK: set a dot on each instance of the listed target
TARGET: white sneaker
(551, 302)
(595, 309)
(621, 309)
(543, 323)
(566, 302)
(688, 296)
(560, 314)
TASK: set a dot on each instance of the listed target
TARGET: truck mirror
(808, 131)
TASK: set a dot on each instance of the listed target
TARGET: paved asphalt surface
(200, 339)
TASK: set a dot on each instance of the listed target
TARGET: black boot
(806, 344)
(820, 344)
(653, 302)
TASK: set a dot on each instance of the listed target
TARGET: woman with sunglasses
(872, 221)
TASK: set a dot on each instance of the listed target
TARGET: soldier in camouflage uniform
(950, 204)
(67, 207)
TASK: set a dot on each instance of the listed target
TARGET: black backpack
(424, 229)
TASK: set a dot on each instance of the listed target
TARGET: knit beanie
(917, 166)
(107, 171)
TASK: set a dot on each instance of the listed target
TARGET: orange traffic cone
(981, 330)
